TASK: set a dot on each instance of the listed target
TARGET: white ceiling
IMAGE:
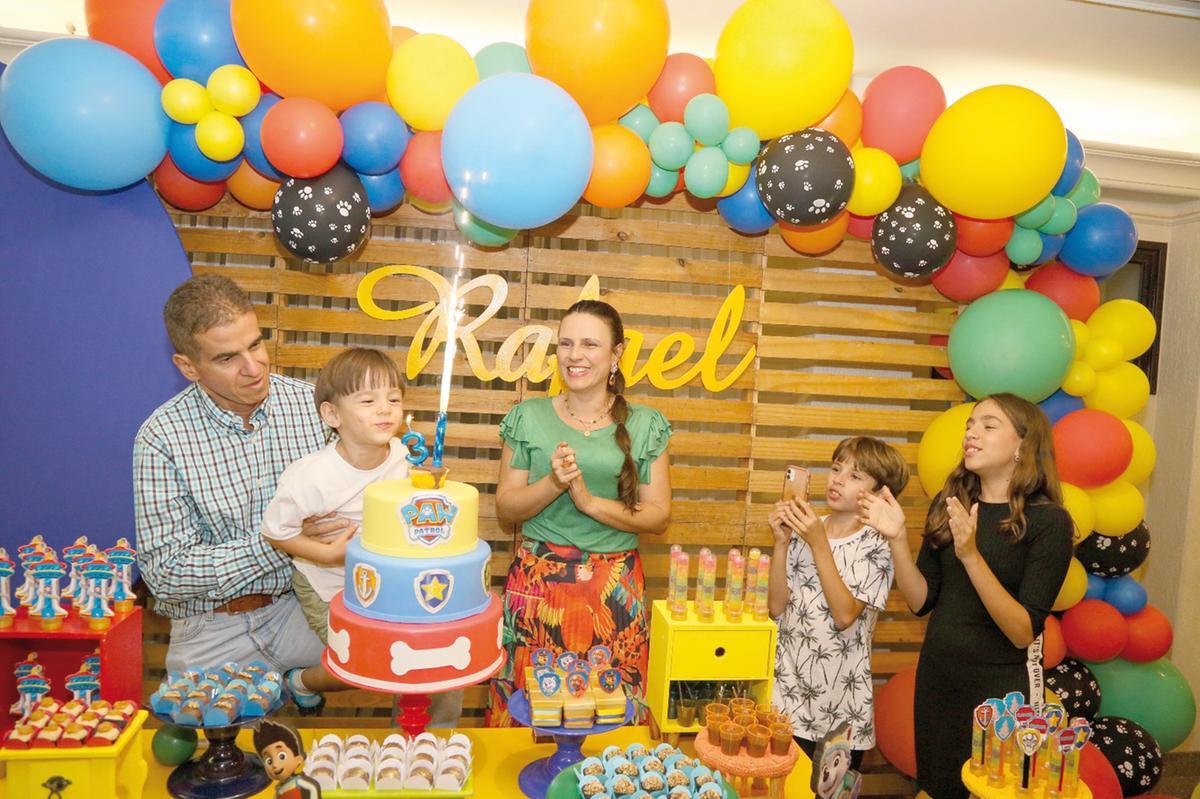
(1117, 75)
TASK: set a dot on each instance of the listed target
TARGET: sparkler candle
(735, 577)
(679, 586)
(452, 310)
(761, 609)
(706, 584)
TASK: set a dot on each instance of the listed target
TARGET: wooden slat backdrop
(841, 350)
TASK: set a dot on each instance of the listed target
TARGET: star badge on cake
(433, 588)
(366, 583)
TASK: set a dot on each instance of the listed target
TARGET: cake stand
(751, 776)
(536, 777)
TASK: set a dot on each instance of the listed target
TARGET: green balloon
(1063, 218)
(641, 120)
(173, 745)
(671, 145)
(1017, 341)
(1155, 695)
(911, 171)
(1038, 215)
(662, 181)
(1086, 191)
(741, 145)
(479, 232)
(707, 119)
(1024, 246)
(706, 172)
(500, 57)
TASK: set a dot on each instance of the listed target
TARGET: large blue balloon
(743, 210)
(374, 138)
(194, 37)
(1102, 241)
(193, 163)
(1059, 404)
(252, 127)
(384, 192)
(1096, 586)
(517, 151)
(84, 113)
(1125, 594)
(1072, 169)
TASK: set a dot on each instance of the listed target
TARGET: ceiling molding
(1172, 8)
(17, 37)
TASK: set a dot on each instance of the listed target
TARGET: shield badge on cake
(428, 518)
(366, 583)
(433, 588)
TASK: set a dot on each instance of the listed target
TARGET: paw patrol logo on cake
(428, 518)
(366, 583)
(433, 588)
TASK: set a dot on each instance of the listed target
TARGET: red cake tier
(414, 658)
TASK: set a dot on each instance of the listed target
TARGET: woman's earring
(612, 374)
(1017, 458)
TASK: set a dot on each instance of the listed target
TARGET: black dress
(966, 658)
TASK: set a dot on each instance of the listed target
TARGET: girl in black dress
(995, 551)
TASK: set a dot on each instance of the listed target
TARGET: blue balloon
(517, 151)
(743, 210)
(1102, 241)
(1096, 586)
(252, 127)
(1072, 169)
(384, 192)
(194, 37)
(1059, 404)
(1051, 247)
(193, 163)
(1125, 594)
(84, 113)
(374, 138)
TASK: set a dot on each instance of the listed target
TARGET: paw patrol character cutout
(282, 753)
(832, 778)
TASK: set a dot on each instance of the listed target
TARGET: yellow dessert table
(979, 788)
(499, 756)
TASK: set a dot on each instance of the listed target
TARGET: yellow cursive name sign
(669, 364)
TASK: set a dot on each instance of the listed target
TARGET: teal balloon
(671, 145)
(173, 745)
(1017, 341)
(741, 145)
(662, 181)
(1038, 215)
(641, 120)
(500, 57)
(1155, 695)
(706, 172)
(1086, 191)
(912, 170)
(476, 231)
(707, 118)
(1024, 246)
(1063, 218)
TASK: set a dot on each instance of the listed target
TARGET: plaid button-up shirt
(201, 482)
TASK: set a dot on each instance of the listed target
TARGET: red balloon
(1091, 447)
(301, 137)
(966, 278)
(1078, 295)
(1094, 630)
(185, 192)
(129, 26)
(1150, 635)
(1054, 648)
(1098, 774)
(894, 725)
(683, 77)
(421, 168)
(981, 237)
(860, 226)
(900, 105)
(942, 341)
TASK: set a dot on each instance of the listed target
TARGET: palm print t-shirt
(823, 675)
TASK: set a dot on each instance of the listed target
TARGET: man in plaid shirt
(205, 465)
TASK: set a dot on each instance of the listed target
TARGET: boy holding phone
(830, 577)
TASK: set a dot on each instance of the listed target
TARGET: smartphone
(795, 483)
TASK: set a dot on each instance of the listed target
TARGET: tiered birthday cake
(416, 615)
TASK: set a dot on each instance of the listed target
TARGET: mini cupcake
(652, 782)
(591, 767)
(710, 791)
(621, 785)
(450, 777)
(590, 786)
(324, 773)
(677, 778)
(680, 793)
(459, 739)
(355, 775)
(389, 775)
(701, 775)
(677, 760)
(610, 752)
(635, 751)
(665, 750)
(622, 765)
(652, 763)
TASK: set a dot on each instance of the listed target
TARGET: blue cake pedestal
(536, 777)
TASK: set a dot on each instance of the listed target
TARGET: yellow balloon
(1073, 588)
(1082, 336)
(782, 65)
(940, 450)
(877, 182)
(737, 178)
(1127, 321)
(1079, 505)
(1012, 280)
(220, 136)
(428, 74)
(1122, 391)
(1119, 507)
(1144, 454)
(1080, 379)
(185, 101)
(1103, 352)
(994, 153)
(233, 90)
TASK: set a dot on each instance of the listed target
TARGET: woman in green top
(584, 474)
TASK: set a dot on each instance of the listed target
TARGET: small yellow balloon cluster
(1118, 331)
(232, 91)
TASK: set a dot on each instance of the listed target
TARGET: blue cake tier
(417, 590)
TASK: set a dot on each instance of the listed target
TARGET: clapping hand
(563, 468)
(962, 527)
(882, 512)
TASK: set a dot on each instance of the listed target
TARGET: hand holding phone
(795, 483)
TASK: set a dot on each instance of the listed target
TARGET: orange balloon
(401, 33)
(251, 189)
(334, 51)
(894, 726)
(605, 53)
(620, 167)
(129, 26)
(816, 239)
(845, 120)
